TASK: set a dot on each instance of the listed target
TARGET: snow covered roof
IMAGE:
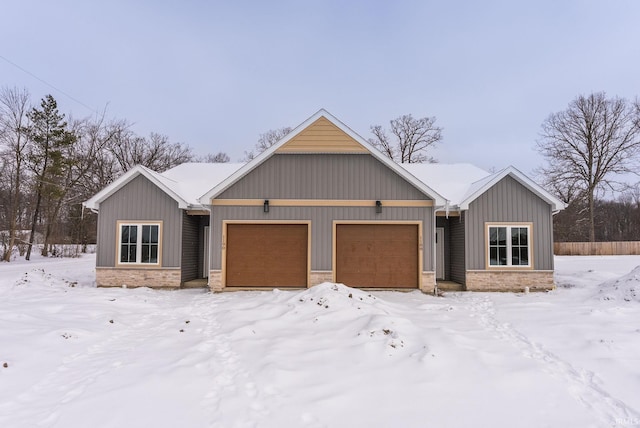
(462, 183)
(454, 186)
(195, 179)
(459, 183)
(450, 180)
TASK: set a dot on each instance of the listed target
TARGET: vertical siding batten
(509, 201)
(322, 176)
(139, 199)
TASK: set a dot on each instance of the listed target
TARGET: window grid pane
(148, 244)
(519, 247)
(498, 246)
(128, 244)
(508, 246)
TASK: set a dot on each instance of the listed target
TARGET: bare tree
(410, 141)
(83, 160)
(219, 157)
(155, 152)
(97, 137)
(14, 105)
(266, 140)
(589, 144)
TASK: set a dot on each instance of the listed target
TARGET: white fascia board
(93, 203)
(556, 204)
(206, 198)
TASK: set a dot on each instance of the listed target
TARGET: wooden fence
(596, 248)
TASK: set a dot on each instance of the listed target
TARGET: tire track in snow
(582, 385)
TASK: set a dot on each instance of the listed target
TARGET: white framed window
(509, 245)
(139, 243)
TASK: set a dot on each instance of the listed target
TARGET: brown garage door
(266, 255)
(377, 255)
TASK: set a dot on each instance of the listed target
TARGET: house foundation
(167, 278)
(503, 280)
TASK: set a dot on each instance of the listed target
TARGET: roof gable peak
(354, 142)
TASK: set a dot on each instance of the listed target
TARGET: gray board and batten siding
(322, 219)
(139, 199)
(322, 176)
(454, 266)
(457, 268)
(509, 201)
(193, 246)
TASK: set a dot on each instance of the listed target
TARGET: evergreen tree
(49, 142)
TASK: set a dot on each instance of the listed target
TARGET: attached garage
(267, 255)
(377, 255)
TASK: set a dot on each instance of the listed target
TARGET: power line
(48, 84)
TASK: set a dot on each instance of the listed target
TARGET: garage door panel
(269, 255)
(358, 264)
(358, 279)
(377, 255)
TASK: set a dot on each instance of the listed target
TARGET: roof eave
(93, 203)
(556, 204)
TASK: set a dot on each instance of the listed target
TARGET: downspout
(433, 253)
(210, 241)
(207, 262)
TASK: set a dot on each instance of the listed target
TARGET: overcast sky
(215, 75)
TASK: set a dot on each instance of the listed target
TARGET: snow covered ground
(72, 355)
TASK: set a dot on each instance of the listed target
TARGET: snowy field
(72, 355)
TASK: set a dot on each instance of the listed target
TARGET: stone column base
(319, 276)
(428, 282)
(215, 281)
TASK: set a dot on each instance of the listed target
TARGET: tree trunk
(50, 220)
(45, 243)
(13, 221)
(33, 224)
(12, 239)
(592, 223)
(36, 212)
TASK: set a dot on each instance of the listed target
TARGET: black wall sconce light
(266, 206)
(378, 207)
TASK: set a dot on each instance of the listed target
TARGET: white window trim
(509, 226)
(139, 225)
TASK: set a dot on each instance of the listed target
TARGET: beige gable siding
(509, 201)
(322, 136)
